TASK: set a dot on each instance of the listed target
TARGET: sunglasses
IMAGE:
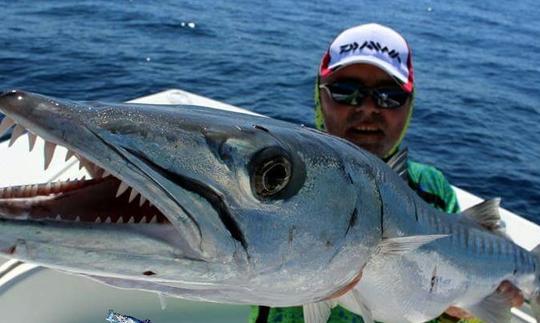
(354, 94)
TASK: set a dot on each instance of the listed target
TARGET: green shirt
(431, 185)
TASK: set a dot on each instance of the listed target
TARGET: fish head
(238, 208)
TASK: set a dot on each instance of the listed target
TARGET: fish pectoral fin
(318, 312)
(398, 163)
(402, 245)
(354, 302)
(494, 308)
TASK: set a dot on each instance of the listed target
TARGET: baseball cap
(371, 44)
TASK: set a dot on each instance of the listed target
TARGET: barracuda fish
(464, 270)
(193, 202)
(242, 209)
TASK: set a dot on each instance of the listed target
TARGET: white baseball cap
(372, 44)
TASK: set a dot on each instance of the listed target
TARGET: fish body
(242, 209)
(233, 213)
(462, 270)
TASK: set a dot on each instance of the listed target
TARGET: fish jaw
(82, 129)
(202, 170)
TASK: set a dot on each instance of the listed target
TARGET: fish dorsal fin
(318, 312)
(402, 245)
(486, 214)
(398, 163)
(494, 309)
(354, 302)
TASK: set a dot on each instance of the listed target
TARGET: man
(364, 93)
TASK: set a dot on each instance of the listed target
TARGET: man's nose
(368, 106)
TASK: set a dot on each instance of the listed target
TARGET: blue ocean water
(477, 111)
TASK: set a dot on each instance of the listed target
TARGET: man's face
(368, 126)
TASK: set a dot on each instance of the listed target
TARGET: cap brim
(388, 68)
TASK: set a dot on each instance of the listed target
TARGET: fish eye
(270, 172)
(272, 176)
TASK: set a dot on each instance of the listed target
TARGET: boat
(32, 294)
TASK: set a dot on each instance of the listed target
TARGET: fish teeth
(17, 132)
(143, 220)
(122, 188)
(58, 217)
(69, 154)
(49, 153)
(31, 141)
(48, 187)
(8, 191)
(120, 220)
(5, 125)
(98, 220)
(108, 220)
(153, 219)
(105, 173)
(78, 219)
(142, 200)
(88, 165)
(131, 220)
(132, 195)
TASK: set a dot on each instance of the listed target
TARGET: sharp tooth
(78, 219)
(5, 192)
(122, 188)
(132, 195)
(142, 200)
(131, 220)
(108, 220)
(69, 154)
(105, 173)
(153, 219)
(48, 187)
(143, 219)
(5, 125)
(31, 141)
(58, 217)
(17, 132)
(98, 220)
(49, 153)
(22, 191)
(120, 220)
(35, 189)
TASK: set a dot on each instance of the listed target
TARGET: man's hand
(459, 313)
(512, 293)
(506, 289)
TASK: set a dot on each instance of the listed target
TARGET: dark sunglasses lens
(346, 93)
(391, 98)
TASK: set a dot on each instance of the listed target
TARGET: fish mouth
(127, 195)
(94, 200)
(102, 198)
